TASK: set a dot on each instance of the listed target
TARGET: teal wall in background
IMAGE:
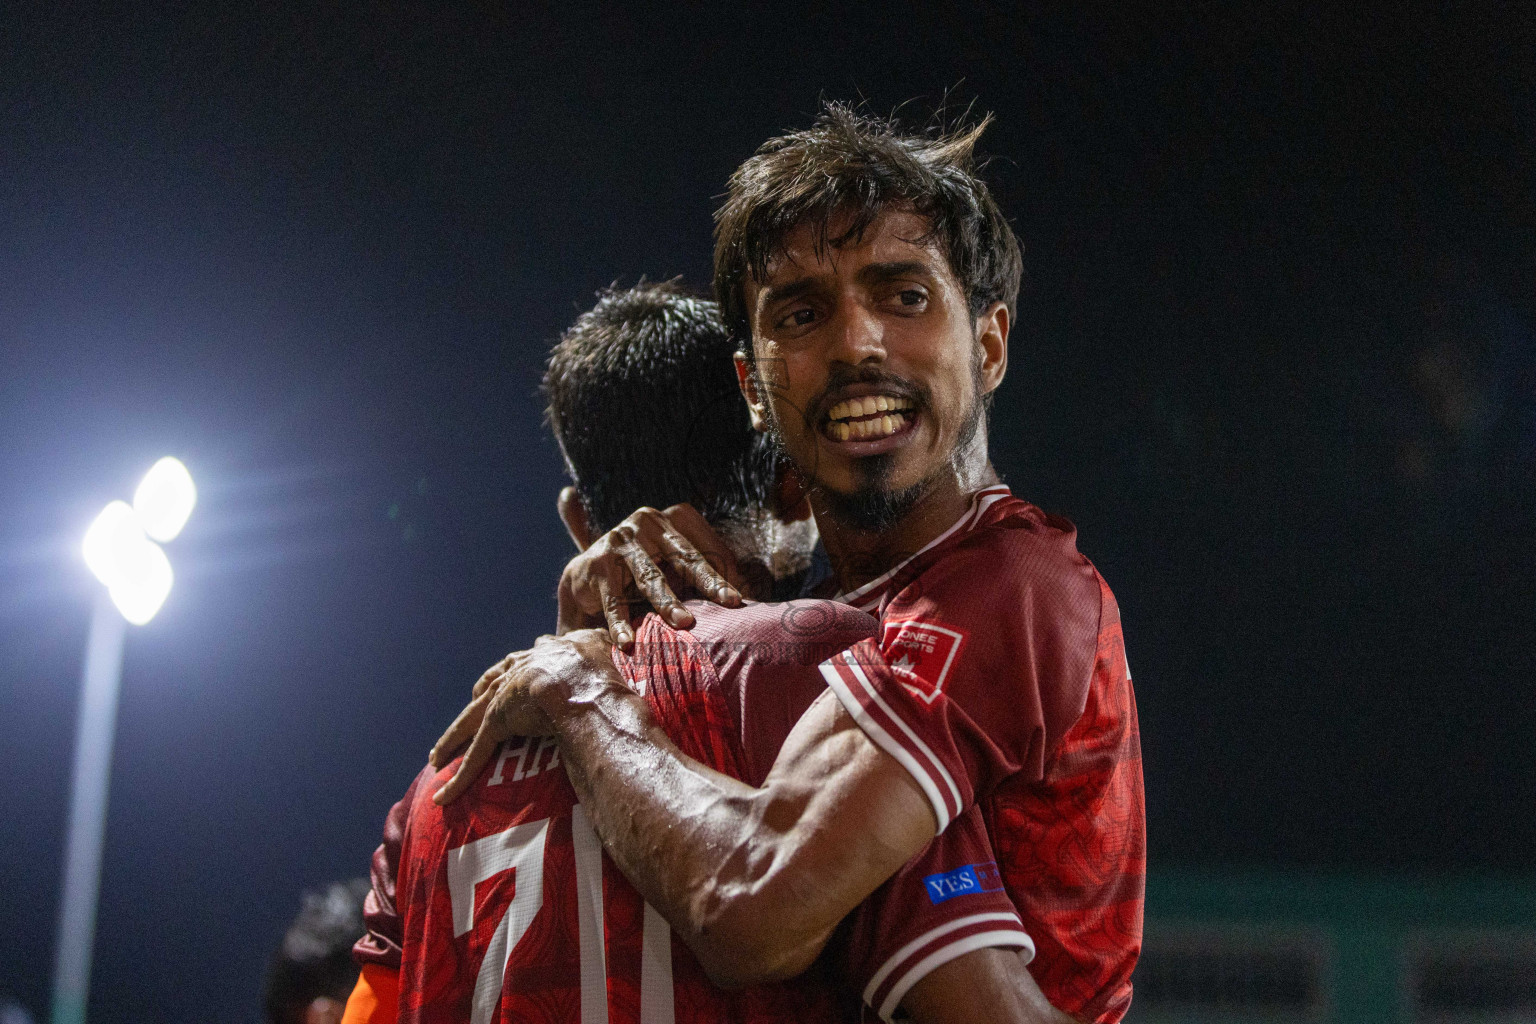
(1326, 948)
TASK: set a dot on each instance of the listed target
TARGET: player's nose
(858, 335)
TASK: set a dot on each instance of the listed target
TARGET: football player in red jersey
(502, 907)
(876, 280)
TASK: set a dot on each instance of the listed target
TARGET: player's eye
(907, 300)
(801, 317)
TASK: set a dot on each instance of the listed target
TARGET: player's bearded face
(869, 369)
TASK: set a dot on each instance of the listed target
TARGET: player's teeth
(855, 414)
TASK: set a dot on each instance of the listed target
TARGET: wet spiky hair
(850, 164)
(643, 402)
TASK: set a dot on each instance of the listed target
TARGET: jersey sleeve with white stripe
(946, 901)
(987, 643)
(999, 680)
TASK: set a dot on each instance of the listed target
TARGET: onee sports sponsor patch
(921, 654)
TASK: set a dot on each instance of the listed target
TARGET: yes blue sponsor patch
(963, 881)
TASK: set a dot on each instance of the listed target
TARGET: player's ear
(574, 515)
(756, 400)
(992, 335)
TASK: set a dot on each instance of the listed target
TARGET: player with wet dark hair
(836, 178)
(503, 906)
(871, 282)
(659, 352)
(659, 348)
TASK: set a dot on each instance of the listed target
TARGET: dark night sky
(1276, 358)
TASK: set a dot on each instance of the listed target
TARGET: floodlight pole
(88, 811)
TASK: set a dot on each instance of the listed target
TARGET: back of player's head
(314, 962)
(850, 164)
(644, 404)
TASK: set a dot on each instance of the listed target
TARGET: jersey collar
(868, 597)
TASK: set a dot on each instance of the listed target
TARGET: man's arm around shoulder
(754, 880)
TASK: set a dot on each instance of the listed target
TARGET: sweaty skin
(883, 316)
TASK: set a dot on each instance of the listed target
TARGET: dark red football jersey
(999, 681)
(761, 654)
(502, 906)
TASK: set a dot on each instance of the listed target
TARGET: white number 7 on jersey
(520, 850)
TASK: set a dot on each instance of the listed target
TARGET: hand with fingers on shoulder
(516, 696)
(627, 565)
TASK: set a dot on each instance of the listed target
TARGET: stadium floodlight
(133, 568)
(164, 499)
(121, 552)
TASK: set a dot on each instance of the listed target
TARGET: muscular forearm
(727, 863)
(699, 846)
(753, 879)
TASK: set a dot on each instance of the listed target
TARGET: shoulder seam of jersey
(1093, 663)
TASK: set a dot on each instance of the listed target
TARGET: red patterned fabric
(1074, 856)
(999, 681)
